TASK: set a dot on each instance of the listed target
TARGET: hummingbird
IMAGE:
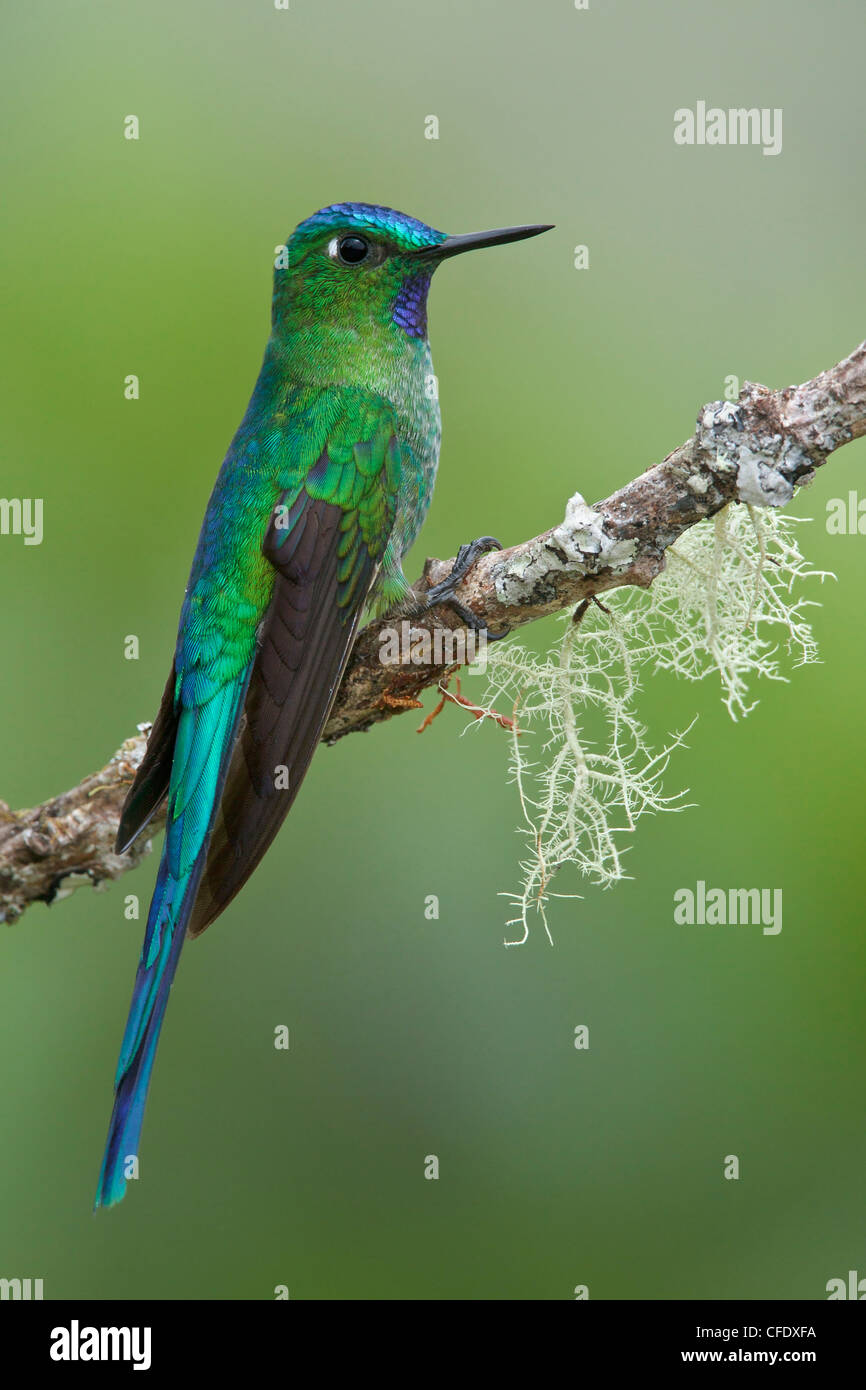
(323, 490)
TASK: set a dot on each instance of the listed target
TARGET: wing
(325, 540)
(151, 780)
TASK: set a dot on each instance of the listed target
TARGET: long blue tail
(149, 998)
(204, 742)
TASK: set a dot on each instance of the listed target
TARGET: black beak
(472, 241)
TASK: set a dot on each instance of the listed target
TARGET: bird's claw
(443, 592)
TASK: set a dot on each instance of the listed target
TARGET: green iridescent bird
(322, 492)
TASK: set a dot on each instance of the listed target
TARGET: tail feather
(149, 999)
(207, 734)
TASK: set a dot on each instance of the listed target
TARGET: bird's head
(353, 264)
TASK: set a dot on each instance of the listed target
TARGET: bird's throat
(410, 306)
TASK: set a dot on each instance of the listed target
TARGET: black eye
(352, 249)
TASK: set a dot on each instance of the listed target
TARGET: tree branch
(755, 451)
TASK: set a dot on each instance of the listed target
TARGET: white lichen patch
(578, 545)
(721, 413)
(759, 484)
(767, 465)
(584, 765)
(698, 484)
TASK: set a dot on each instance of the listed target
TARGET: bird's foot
(443, 592)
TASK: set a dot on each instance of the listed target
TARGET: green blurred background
(412, 1037)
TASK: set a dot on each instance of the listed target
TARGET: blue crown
(406, 231)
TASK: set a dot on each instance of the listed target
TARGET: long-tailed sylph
(322, 492)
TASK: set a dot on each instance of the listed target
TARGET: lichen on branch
(728, 604)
